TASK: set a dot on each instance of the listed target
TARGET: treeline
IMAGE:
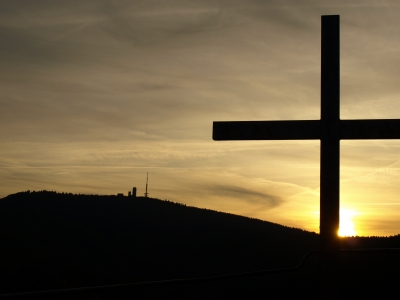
(44, 192)
(370, 242)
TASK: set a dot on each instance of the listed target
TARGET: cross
(329, 129)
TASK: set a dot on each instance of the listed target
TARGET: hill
(54, 240)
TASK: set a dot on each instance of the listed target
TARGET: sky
(95, 94)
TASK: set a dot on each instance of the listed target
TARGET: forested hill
(55, 240)
(50, 238)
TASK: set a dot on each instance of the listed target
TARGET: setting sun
(347, 227)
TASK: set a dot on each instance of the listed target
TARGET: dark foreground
(53, 241)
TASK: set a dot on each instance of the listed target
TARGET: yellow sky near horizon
(96, 94)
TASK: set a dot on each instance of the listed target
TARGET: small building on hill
(134, 192)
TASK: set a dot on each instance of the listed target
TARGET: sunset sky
(94, 94)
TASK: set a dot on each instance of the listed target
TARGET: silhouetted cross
(330, 130)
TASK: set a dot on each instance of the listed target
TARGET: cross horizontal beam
(266, 130)
(370, 129)
(305, 130)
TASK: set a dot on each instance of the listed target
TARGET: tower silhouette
(146, 194)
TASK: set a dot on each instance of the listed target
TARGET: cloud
(92, 67)
(261, 200)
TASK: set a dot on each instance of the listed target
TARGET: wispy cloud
(263, 200)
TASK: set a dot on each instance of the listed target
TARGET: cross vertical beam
(330, 134)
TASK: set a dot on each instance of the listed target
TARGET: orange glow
(347, 227)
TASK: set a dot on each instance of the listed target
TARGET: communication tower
(146, 194)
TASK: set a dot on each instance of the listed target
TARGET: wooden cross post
(330, 130)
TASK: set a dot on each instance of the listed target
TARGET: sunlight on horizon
(346, 226)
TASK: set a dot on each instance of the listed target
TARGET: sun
(346, 227)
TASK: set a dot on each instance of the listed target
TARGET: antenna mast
(147, 182)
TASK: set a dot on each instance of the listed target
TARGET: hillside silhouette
(56, 240)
